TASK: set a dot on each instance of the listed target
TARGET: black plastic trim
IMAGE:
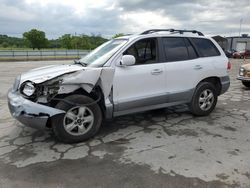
(172, 31)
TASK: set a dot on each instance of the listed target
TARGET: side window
(144, 51)
(205, 47)
(191, 51)
(175, 49)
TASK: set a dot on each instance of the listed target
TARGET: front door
(142, 85)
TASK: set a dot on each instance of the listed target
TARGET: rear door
(212, 61)
(182, 66)
(189, 60)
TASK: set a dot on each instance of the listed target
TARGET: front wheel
(80, 122)
(246, 83)
(204, 99)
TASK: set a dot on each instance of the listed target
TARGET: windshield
(101, 55)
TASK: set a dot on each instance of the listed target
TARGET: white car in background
(155, 69)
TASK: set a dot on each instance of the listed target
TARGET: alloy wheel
(78, 120)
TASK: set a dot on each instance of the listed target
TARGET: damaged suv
(129, 74)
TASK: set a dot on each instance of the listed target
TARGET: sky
(108, 17)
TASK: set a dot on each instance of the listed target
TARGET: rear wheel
(246, 83)
(80, 122)
(204, 99)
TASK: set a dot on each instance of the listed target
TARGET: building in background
(222, 41)
(239, 43)
(236, 43)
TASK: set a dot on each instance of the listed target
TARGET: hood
(43, 74)
(74, 76)
(246, 67)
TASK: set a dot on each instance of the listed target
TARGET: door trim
(153, 102)
(140, 102)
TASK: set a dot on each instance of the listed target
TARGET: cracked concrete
(161, 148)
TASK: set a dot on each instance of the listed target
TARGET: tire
(84, 121)
(202, 105)
(246, 83)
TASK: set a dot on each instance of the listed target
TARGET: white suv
(154, 69)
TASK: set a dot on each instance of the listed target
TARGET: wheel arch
(215, 81)
(95, 94)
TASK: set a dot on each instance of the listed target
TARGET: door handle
(156, 71)
(198, 67)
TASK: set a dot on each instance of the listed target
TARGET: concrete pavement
(160, 148)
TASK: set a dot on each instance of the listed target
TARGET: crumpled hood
(43, 74)
(73, 76)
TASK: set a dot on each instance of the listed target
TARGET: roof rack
(172, 31)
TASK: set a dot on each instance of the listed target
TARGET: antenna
(240, 26)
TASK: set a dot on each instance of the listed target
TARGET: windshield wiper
(79, 62)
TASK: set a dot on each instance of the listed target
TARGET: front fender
(87, 79)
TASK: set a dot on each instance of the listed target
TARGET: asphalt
(161, 148)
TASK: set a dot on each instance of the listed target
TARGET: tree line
(36, 39)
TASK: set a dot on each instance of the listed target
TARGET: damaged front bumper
(30, 113)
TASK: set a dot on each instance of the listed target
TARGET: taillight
(229, 66)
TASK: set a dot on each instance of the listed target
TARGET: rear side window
(175, 49)
(205, 47)
(191, 52)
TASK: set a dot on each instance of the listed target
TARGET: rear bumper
(30, 113)
(225, 84)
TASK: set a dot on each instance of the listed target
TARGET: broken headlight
(28, 89)
(47, 91)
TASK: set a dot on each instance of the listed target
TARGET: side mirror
(127, 60)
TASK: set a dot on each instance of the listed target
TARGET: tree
(66, 41)
(5, 44)
(81, 41)
(54, 43)
(6, 41)
(76, 42)
(118, 35)
(36, 39)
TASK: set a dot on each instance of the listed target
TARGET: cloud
(133, 20)
(108, 17)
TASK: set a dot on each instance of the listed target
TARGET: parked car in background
(239, 54)
(129, 74)
(244, 75)
(229, 53)
(247, 54)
